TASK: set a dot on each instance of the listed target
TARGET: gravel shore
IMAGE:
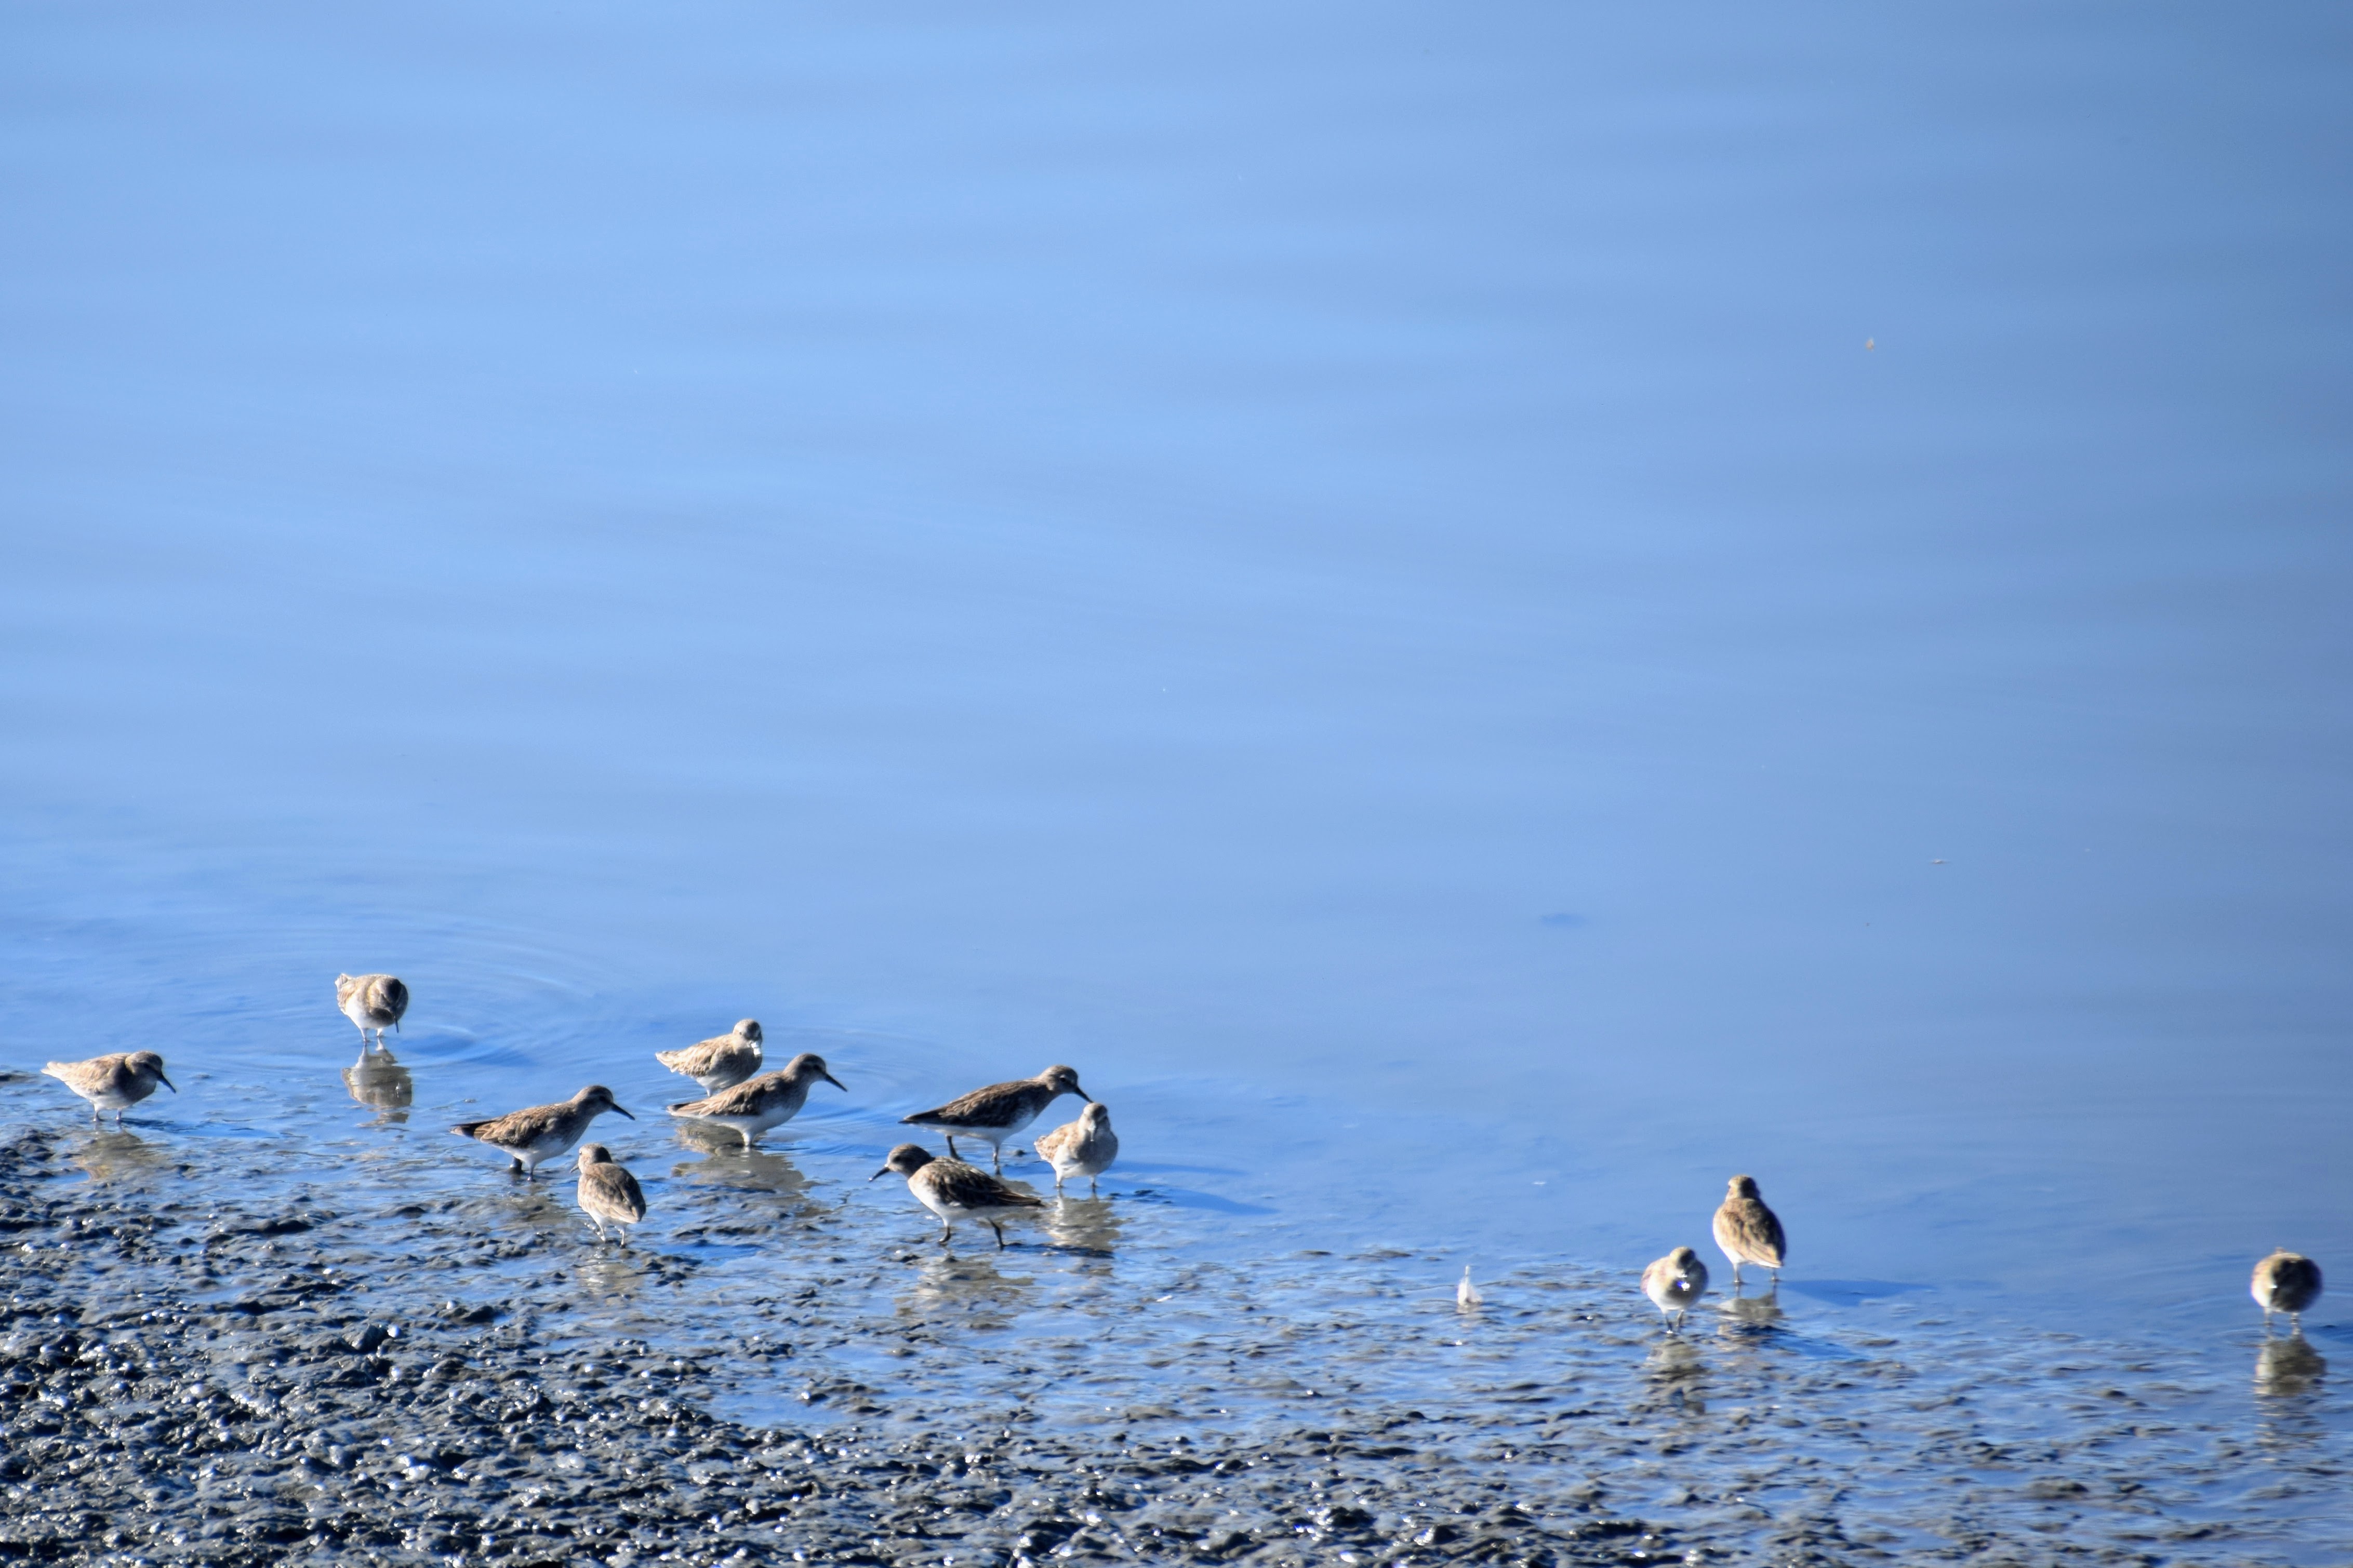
(352, 1345)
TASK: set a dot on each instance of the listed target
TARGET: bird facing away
(544, 1132)
(1748, 1232)
(115, 1082)
(2284, 1282)
(1674, 1283)
(719, 1062)
(768, 1100)
(1083, 1148)
(372, 1002)
(609, 1193)
(998, 1112)
(1467, 1296)
(954, 1190)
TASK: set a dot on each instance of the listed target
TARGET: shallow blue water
(1486, 620)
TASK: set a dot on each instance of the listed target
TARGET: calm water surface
(1485, 619)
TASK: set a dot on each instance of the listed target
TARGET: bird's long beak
(837, 1083)
(625, 1113)
(167, 1083)
(879, 1175)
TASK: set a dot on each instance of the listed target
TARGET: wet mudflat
(262, 1348)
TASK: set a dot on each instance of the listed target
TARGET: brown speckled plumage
(1083, 1148)
(768, 1100)
(372, 1002)
(609, 1193)
(999, 1112)
(1675, 1282)
(721, 1062)
(115, 1082)
(1748, 1232)
(544, 1132)
(954, 1190)
(2285, 1282)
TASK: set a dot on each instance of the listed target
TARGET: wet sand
(283, 1352)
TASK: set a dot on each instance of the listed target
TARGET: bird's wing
(970, 1187)
(617, 1188)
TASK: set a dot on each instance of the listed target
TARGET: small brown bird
(768, 1100)
(1748, 1232)
(532, 1137)
(609, 1193)
(115, 1082)
(1083, 1148)
(998, 1112)
(1675, 1282)
(719, 1062)
(372, 1002)
(2285, 1282)
(954, 1190)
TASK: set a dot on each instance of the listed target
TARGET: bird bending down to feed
(609, 1193)
(372, 1002)
(954, 1190)
(532, 1137)
(998, 1112)
(768, 1100)
(115, 1082)
(1674, 1283)
(2285, 1282)
(1083, 1148)
(719, 1062)
(1748, 1232)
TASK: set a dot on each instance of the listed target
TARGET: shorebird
(609, 1193)
(1467, 1296)
(1083, 1148)
(719, 1062)
(954, 1190)
(115, 1082)
(1748, 1232)
(998, 1112)
(768, 1100)
(544, 1132)
(2285, 1282)
(372, 1002)
(1675, 1282)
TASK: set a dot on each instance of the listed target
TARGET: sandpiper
(719, 1062)
(2284, 1282)
(372, 1002)
(768, 1100)
(544, 1132)
(115, 1082)
(1083, 1148)
(609, 1193)
(954, 1190)
(1675, 1282)
(1000, 1110)
(1748, 1232)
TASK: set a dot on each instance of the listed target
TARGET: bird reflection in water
(2287, 1367)
(725, 1162)
(612, 1276)
(1742, 1313)
(378, 1082)
(1678, 1374)
(112, 1156)
(967, 1286)
(1085, 1225)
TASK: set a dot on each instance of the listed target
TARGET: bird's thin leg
(1093, 1191)
(1000, 1234)
(996, 1159)
(952, 1153)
